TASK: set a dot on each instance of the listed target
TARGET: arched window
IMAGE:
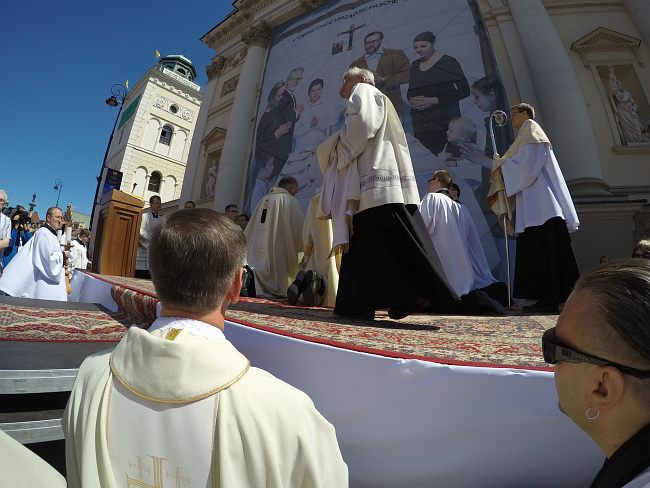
(154, 182)
(166, 135)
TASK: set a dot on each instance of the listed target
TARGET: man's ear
(608, 389)
(235, 288)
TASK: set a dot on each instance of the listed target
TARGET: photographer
(20, 234)
(5, 224)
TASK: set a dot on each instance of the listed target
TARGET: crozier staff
(545, 267)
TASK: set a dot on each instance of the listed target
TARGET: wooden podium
(118, 232)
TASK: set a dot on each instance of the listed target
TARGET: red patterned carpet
(46, 324)
(511, 341)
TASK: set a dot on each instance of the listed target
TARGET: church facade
(584, 66)
(152, 137)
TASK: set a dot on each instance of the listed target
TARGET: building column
(194, 156)
(146, 186)
(161, 188)
(639, 11)
(235, 156)
(567, 119)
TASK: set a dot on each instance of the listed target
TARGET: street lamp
(58, 185)
(118, 97)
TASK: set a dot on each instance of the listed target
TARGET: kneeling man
(179, 401)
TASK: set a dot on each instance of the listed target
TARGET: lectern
(118, 231)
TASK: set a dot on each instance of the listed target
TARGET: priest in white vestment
(545, 266)
(150, 220)
(370, 193)
(178, 403)
(38, 270)
(274, 239)
(455, 238)
(317, 238)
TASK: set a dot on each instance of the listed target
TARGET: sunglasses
(554, 351)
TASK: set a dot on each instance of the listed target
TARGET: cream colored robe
(317, 237)
(266, 433)
(273, 246)
(21, 468)
(367, 163)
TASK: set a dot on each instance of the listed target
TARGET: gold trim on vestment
(180, 400)
(172, 334)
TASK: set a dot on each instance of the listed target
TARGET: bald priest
(178, 402)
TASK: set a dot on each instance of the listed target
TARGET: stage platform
(427, 401)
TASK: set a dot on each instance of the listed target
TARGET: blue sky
(60, 61)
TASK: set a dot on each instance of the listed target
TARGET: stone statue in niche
(211, 181)
(626, 112)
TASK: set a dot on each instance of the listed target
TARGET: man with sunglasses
(601, 349)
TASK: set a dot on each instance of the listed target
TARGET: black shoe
(401, 311)
(478, 302)
(542, 306)
(313, 294)
(295, 289)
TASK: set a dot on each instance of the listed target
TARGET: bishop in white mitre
(38, 269)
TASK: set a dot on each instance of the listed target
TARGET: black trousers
(391, 262)
(545, 266)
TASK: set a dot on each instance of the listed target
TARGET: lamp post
(58, 185)
(119, 95)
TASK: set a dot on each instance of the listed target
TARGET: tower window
(166, 135)
(181, 71)
(173, 109)
(154, 182)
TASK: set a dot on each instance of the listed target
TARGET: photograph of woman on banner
(436, 85)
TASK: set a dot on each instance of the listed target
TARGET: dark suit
(393, 67)
(287, 111)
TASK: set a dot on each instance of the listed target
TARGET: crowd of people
(34, 256)
(368, 242)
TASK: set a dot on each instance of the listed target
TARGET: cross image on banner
(395, 39)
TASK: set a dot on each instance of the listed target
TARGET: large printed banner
(432, 59)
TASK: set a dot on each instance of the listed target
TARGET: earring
(592, 417)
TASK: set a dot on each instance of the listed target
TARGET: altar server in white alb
(274, 238)
(38, 270)
(150, 220)
(455, 237)
(545, 266)
(179, 402)
(79, 251)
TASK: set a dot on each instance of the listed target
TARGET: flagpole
(500, 117)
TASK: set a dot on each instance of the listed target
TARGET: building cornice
(169, 83)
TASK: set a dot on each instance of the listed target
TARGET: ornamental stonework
(215, 69)
(229, 86)
(259, 35)
(311, 4)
